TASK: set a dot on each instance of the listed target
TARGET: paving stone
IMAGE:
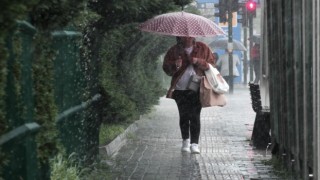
(154, 152)
(149, 176)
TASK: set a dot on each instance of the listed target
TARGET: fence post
(19, 103)
(69, 89)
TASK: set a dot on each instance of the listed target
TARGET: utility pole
(245, 55)
(230, 46)
(251, 12)
(226, 8)
(244, 22)
(251, 44)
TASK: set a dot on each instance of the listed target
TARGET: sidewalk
(153, 151)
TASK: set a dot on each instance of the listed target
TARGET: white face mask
(188, 50)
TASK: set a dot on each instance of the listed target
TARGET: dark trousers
(256, 68)
(189, 111)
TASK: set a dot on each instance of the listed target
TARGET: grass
(109, 132)
(98, 170)
(63, 169)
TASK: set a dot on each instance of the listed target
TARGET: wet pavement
(153, 151)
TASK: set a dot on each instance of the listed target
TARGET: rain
(162, 89)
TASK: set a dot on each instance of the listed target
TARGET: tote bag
(208, 97)
(218, 84)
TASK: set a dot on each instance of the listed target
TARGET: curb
(118, 142)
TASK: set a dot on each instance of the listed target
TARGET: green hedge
(129, 75)
(45, 15)
(45, 108)
(10, 12)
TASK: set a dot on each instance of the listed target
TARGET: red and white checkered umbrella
(181, 24)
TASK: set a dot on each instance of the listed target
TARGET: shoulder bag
(208, 97)
(218, 84)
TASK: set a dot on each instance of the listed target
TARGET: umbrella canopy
(222, 43)
(181, 24)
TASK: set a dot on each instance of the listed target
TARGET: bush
(63, 169)
(108, 132)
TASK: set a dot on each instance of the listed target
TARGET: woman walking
(182, 61)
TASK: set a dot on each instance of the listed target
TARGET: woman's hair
(180, 45)
(179, 42)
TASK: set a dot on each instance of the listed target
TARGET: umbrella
(209, 40)
(222, 43)
(255, 38)
(181, 24)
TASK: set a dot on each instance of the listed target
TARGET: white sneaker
(185, 145)
(194, 149)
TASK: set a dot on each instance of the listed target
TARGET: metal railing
(77, 108)
(19, 133)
